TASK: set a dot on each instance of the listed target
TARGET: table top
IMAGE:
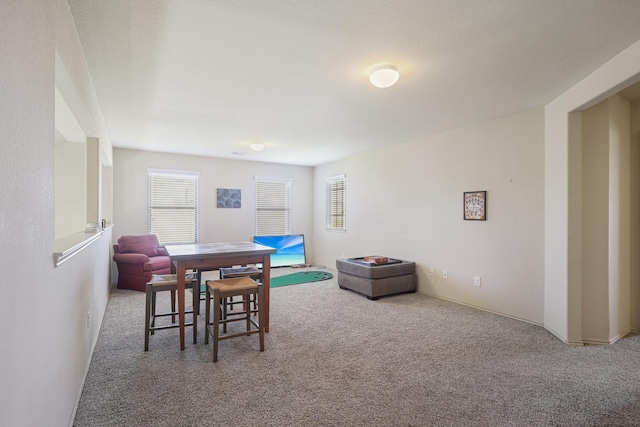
(213, 250)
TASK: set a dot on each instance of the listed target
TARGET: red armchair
(138, 258)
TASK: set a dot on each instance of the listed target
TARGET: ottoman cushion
(397, 268)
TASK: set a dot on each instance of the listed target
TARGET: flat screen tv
(289, 249)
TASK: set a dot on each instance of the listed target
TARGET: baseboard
(557, 335)
(481, 308)
(611, 341)
(554, 333)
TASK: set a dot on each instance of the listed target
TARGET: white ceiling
(208, 77)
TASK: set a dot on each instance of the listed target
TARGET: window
(273, 206)
(173, 206)
(336, 187)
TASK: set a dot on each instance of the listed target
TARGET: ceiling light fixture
(384, 76)
(257, 146)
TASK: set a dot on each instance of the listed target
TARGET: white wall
(406, 202)
(635, 214)
(619, 218)
(595, 222)
(563, 197)
(216, 225)
(46, 342)
(606, 221)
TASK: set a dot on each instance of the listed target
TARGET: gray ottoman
(375, 281)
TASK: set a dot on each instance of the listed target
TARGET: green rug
(301, 277)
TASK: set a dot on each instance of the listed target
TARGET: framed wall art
(229, 198)
(475, 205)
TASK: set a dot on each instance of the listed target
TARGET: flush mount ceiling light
(257, 146)
(384, 76)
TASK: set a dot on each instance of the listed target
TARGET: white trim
(172, 172)
(271, 179)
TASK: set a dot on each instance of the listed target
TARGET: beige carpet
(335, 358)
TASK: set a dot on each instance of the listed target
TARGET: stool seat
(168, 282)
(247, 271)
(244, 271)
(233, 285)
(219, 291)
(229, 272)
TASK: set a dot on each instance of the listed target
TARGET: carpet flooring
(335, 358)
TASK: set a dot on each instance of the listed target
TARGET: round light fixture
(257, 146)
(384, 76)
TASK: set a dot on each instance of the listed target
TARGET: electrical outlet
(445, 274)
(432, 272)
(476, 281)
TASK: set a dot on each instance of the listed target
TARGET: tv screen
(289, 249)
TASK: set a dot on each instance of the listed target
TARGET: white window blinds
(336, 214)
(273, 206)
(173, 206)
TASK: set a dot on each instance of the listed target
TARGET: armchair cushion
(145, 244)
(130, 258)
(157, 263)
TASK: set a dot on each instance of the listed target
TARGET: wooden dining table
(210, 256)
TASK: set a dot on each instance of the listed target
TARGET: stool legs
(195, 308)
(207, 313)
(173, 306)
(260, 300)
(161, 283)
(147, 317)
(214, 296)
(153, 311)
(216, 324)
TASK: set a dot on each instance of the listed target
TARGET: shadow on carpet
(300, 277)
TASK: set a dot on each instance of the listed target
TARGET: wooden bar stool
(219, 291)
(227, 273)
(168, 282)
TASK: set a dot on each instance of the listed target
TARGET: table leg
(266, 280)
(181, 272)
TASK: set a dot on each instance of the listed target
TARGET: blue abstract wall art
(229, 198)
